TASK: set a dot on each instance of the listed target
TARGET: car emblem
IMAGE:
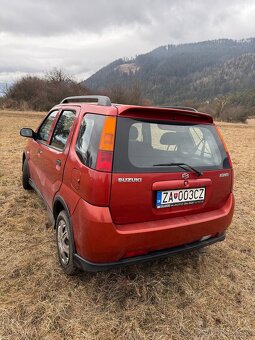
(185, 175)
(129, 179)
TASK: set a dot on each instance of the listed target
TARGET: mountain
(175, 73)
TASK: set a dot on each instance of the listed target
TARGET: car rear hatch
(167, 163)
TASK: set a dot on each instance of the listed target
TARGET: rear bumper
(99, 241)
(95, 267)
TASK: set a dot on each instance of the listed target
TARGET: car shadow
(149, 282)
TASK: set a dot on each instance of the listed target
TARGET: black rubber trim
(95, 267)
(50, 213)
(60, 199)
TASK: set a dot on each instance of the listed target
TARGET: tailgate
(145, 170)
(134, 198)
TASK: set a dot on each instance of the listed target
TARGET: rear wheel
(64, 244)
(25, 176)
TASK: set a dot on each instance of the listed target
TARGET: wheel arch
(59, 204)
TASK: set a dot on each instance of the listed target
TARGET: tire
(25, 176)
(65, 246)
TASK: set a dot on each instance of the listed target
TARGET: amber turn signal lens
(108, 134)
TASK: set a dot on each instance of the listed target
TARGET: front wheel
(25, 176)
(64, 244)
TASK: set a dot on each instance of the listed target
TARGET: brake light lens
(106, 145)
(104, 161)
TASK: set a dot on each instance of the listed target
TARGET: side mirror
(26, 132)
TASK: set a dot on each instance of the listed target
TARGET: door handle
(39, 151)
(58, 162)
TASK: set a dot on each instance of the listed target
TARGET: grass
(207, 294)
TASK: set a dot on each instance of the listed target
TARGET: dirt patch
(207, 294)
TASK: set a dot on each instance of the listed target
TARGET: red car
(125, 184)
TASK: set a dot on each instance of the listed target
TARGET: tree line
(42, 93)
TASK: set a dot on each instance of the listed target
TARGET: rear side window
(62, 129)
(88, 139)
(148, 146)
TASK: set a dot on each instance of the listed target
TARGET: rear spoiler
(172, 113)
(185, 108)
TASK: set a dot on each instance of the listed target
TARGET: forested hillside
(177, 73)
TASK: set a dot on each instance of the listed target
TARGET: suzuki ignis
(125, 184)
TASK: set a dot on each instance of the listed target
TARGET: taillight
(225, 146)
(106, 145)
(104, 161)
(229, 158)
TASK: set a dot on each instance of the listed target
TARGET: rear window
(146, 146)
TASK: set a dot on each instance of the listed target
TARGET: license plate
(170, 198)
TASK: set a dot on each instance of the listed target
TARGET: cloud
(82, 36)
(49, 18)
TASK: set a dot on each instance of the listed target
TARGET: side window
(62, 129)
(88, 139)
(44, 130)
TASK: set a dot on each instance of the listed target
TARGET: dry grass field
(207, 294)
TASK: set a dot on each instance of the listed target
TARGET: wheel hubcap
(63, 242)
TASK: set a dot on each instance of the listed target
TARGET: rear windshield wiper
(183, 166)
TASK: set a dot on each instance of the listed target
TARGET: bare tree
(131, 94)
(5, 88)
(58, 76)
(220, 106)
(40, 94)
(135, 93)
(117, 94)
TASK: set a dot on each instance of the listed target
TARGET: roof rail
(185, 108)
(101, 100)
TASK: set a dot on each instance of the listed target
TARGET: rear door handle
(39, 151)
(58, 162)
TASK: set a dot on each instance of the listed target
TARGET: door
(35, 146)
(53, 154)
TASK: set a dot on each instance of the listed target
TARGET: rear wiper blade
(183, 166)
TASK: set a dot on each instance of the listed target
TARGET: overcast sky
(82, 36)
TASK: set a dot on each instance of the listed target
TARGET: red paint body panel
(139, 202)
(164, 114)
(98, 239)
(32, 152)
(94, 186)
(70, 197)
(48, 174)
